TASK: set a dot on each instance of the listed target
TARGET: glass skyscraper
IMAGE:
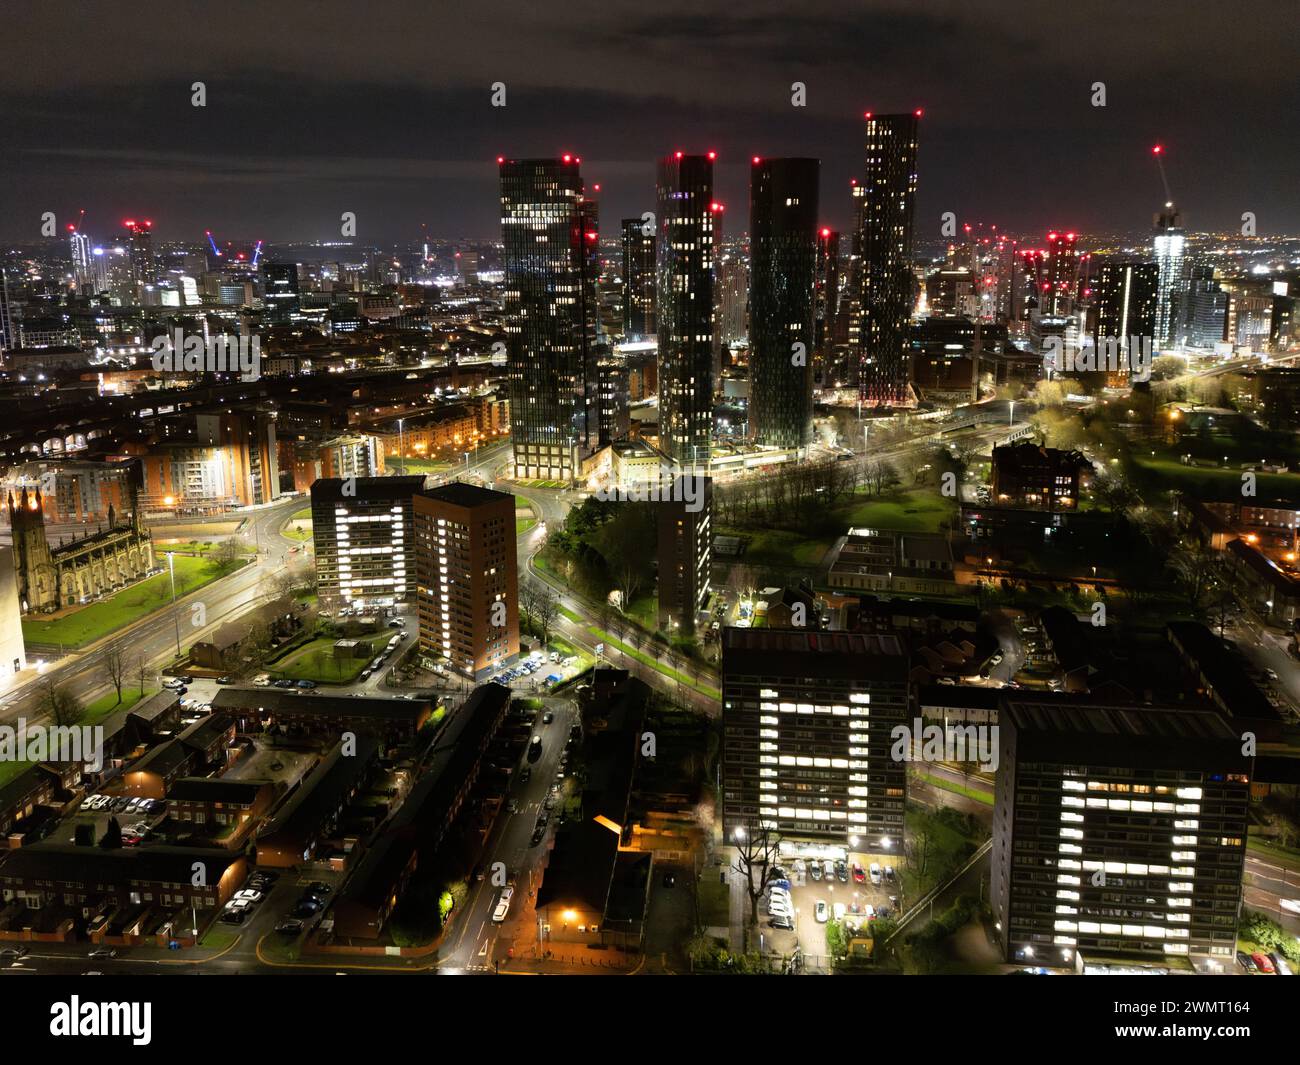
(782, 308)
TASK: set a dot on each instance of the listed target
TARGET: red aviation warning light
(712, 156)
(568, 158)
(756, 160)
(826, 232)
(918, 112)
(500, 159)
(677, 155)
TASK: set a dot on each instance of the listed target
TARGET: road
(154, 638)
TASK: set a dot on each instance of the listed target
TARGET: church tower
(33, 565)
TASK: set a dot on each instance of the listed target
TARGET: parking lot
(854, 891)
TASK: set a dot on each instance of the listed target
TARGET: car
(840, 911)
(871, 913)
(889, 873)
(13, 952)
(283, 683)
(525, 775)
(783, 884)
(859, 874)
(305, 907)
(537, 836)
(96, 923)
(782, 921)
(875, 873)
(1282, 966)
(289, 926)
(103, 952)
(842, 872)
(173, 683)
(233, 916)
(262, 681)
(534, 748)
(305, 685)
(318, 889)
(543, 819)
(780, 906)
(828, 870)
(396, 623)
(227, 679)
(88, 803)
(1261, 962)
(503, 905)
(1271, 674)
(1246, 962)
(669, 880)
(250, 895)
(821, 911)
(366, 674)
(815, 869)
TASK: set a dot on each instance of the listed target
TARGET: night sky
(384, 109)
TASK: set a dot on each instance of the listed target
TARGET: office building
(685, 550)
(467, 577)
(550, 315)
(782, 305)
(684, 306)
(1124, 299)
(638, 279)
(806, 745)
(886, 201)
(280, 291)
(1118, 832)
(364, 536)
(1170, 244)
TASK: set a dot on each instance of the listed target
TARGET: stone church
(78, 569)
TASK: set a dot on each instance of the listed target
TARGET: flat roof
(463, 494)
(275, 700)
(797, 651)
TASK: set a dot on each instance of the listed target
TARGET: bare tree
(63, 707)
(757, 847)
(141, 671)
(548, 606)
(115, 666)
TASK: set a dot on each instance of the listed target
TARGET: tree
(112, 838)
(115, 667)
(548, 605)
(757, 847)
(140, 672)
(59, 703)
(225, 553)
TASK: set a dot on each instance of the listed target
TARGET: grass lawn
(315, 661)
(92, 622)
(525, 515)
(566, 612)
(978, 794)
(919, 510)
(105, 705)
(11, 768)
(649, 660)
(715, 905)
(299, 531)
(196, 547)
(644, 610)
(412, 465)
(1215, 483)
(1289, 856)
(777, 548)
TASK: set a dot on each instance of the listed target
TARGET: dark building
(942, 354)
(363, 531)
(1027, 476)
(826, 293)
(1205, 309)
(782, 310)
(806, 722)
(638, 279)
(886, 206)
(280, 290)
(685, 551)
(1118, 831)
(467, 577)
(1124, 296)
(551, 314)
(684, 306)
(613, 384)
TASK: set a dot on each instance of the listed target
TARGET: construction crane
(1159, 152)
(212, 243)
(257, 253)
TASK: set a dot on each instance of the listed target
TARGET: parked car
(1246, 962)
(875, 873)
(815, 869)
(842, 872)
(305, 907)
(103, 952)
(289, 926)
(821, 912)
(226, 680)
(1261, 962)
(318, 889)
(1282, 966)
(251, 895)
(306, 685)
(859, 874)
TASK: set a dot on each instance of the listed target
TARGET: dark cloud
(385, 109)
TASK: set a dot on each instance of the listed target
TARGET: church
(79, 569)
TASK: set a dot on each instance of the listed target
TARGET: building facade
(363, 532)
(685, 551)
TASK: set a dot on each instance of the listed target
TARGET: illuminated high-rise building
(82, 270)
(1061, 284)
(886, 201)
(139, 248)
(551, 315)
(638, 279)
(782, 310)
(363, 532)
(684, 306)
(1170, 245)
(1118, 831)
(826, 291)
(1124, 298)
(280, 290)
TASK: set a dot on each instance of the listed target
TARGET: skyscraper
(279, 290)
(8, 327)
(139, 246)
(551, 315)
(886, 204)
(684, 306)
(82, 269)
(1124, 296)
(685, 550)
(467, 577)
(826, 286)
(1062, 282)
(806, 744)
(638, 279)
(782, 311)
(1117, 830)
(1170, 244)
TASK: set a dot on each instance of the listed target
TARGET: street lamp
(1011, 416)
(171, 573)
(401, 447)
